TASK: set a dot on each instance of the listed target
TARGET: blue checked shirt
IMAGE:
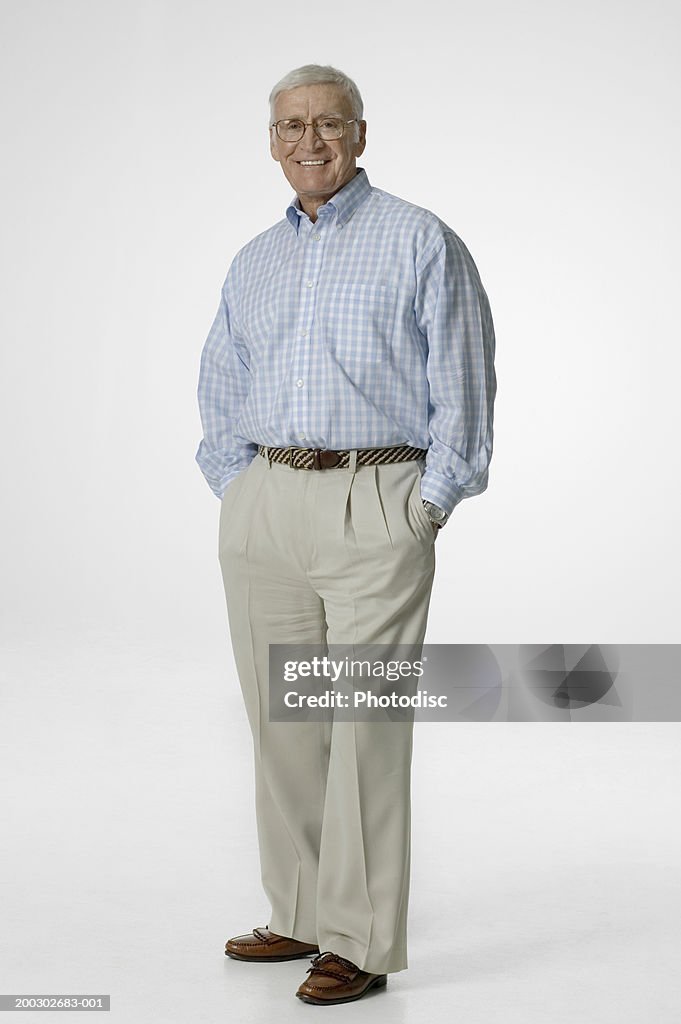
(369, 327)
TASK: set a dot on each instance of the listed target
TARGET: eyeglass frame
(310, 124)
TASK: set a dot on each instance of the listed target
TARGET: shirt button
(310, 284)
(305, 334)
(299, 383)
(301, 437)
(316, 237)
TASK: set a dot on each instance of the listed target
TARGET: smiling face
(334, 162)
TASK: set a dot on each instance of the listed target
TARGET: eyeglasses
(292, 129)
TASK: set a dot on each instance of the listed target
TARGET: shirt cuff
(441, 490)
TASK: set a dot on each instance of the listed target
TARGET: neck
(310, 204)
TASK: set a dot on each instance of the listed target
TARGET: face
(317, 181)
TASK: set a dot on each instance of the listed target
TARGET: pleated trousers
(337, 556)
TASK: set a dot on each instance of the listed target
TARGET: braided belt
(321, 458)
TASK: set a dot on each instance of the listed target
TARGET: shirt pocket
(359, 324)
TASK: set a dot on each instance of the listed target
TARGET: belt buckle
(290, 457)
(318, 453)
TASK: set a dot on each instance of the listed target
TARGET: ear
(273, 145)
(361, 143)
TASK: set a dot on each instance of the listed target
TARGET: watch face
(435, 512)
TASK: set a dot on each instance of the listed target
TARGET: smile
(312, 163)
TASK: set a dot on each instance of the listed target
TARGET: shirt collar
(345, 201)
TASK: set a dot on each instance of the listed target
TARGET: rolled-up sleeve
(453, 313)
(224, 381)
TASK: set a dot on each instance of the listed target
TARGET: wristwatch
(436, 514)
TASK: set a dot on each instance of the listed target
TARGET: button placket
(310, 271)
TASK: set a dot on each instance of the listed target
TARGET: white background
(135, 164)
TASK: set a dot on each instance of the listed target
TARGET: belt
(322, 458)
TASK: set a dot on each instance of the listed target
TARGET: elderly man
(346, 393)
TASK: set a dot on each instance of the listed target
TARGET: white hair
(320, 74)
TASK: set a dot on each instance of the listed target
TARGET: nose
(312, 138)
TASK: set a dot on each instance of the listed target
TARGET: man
(346, 394)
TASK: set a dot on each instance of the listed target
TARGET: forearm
(461, 379)
(224, 382)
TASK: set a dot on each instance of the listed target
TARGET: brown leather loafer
(333, 979)
(264, 946)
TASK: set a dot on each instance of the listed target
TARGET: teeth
(311, 163)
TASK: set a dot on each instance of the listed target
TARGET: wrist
(437, 515)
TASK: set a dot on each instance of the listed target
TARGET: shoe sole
(270, 959)
(379, 982)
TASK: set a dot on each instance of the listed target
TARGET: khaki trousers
(336, 556)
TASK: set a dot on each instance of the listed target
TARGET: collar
(344, 203)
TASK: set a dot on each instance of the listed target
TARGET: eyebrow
(301, 117)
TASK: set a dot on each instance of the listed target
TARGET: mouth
(312, 163)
